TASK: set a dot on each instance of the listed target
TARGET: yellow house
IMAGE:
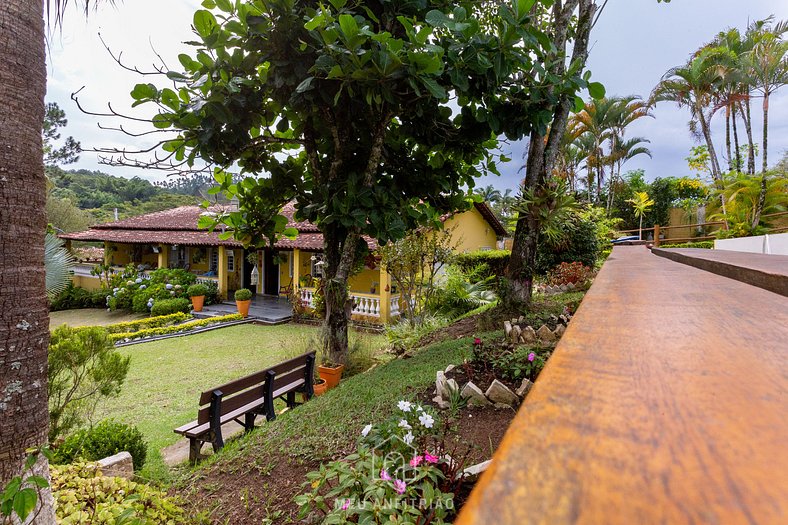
(171, 239)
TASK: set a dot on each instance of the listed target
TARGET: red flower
(477, 341)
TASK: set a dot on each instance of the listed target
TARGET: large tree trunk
(542, 154)
(716, 174)
(339, 250)
(24, 318)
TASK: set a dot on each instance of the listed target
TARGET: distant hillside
(100, 193)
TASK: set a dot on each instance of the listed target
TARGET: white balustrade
(365, 305)
(394, 307)
(308, 297)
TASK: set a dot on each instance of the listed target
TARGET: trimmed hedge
(103, 440)
(174, 329)
(708, 245)
(495, 261)
(73, 298)
(150, 322)
(171, 306)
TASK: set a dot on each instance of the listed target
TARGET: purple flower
(346, 504)
(531, 356)
(400, 486)
(384, 475)
(429, 458)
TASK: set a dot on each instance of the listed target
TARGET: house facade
(171, 239)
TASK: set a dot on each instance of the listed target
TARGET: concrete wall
(776, 244)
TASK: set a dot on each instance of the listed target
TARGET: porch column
(385, 295)
(107, 256)
(223, 272)
(296, 267)
(164, 256)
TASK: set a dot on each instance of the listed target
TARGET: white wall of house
(769, 244)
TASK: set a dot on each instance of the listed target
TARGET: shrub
(83, 495)
(171, 306)
(485, 263)
(150, 322)
(518, 363)
(243, 294)
(174, 329)
(566, 273)
(134, 293)
(103, 440)
(174, 276)
(74, 297)
(400, 469)
(577, 243)
(197, 290)
(212, 295)
(708, 245)
(460, 293)
(83, 366)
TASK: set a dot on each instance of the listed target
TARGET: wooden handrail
(712, 223)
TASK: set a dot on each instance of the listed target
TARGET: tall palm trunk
(24, 318)
(715, 164)
(756, 218)
(728, 136)
(736, 138)
(750, 143)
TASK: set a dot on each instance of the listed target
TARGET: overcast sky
(633, 45)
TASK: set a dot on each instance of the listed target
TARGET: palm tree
(595, 121)
(489, 193)
(622, 152)
(24, 318)
(642, 203)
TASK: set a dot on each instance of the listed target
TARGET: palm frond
(58, 263)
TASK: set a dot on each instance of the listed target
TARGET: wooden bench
(249, 397)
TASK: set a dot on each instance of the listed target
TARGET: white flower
(172, 293)
(130, 283)
(419, 409)
(408, 438)
(426, 420)
(115, 289)
(138, 281)
(404, 406)
(404, 424)
(366, 430)
(143, 287)
(168, 286)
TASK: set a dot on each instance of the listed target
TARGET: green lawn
(166, 377)
(90, 317)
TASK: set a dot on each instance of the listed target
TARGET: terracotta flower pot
(243, 307)
(331, 375)
(197, 302)
(320, 388)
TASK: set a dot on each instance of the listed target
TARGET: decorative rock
(500, 393)
(553, 319)
(516, 331)
(502, 406)
(438, 400)
(544, 334)
(571, 286)
(559, 331)
(564, 319)
(451, 386)
(521, 320)
(474, 395)
(525, 387)
(473, 472)
(507, 329)
(120, 465)
(563, 288)
(440, 384)
(449, 369)
(528, 336)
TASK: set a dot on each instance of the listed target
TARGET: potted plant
(197, 292)
(320, 386)
(243, 298)
(331, 373)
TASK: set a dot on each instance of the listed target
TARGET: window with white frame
(230, 261)
(214, 258)
(317, 265)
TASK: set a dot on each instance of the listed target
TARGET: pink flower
(531, 356)
(416, 461)
(429, 458)
(346, 504)
(400, 486)
(384, 475)
(477, 341)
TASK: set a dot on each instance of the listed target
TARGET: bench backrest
(240, 392)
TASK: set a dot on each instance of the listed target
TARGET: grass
(166, 377)
(325, 427)
(90, 317)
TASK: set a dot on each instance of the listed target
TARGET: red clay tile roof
(179, 226)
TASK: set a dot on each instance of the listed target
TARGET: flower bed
(148, 323)
(127, 337)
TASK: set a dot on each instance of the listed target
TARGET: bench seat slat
(193, 429)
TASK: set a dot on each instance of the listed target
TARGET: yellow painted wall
(117, 254)
(87, 282)
(471, 231)
(199, 259)
(362, 282)
(285, 278)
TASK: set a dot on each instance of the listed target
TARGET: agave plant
(58, 263)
